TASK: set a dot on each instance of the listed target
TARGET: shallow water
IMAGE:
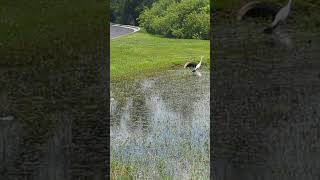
(161, 125)
(266, 92)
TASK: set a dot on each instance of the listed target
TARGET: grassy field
(141, 54)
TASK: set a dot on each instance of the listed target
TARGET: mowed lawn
(141, 54)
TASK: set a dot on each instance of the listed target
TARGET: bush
(178, 18)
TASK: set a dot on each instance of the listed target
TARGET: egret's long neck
(289, 3)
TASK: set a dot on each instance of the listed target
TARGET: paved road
(116, 31)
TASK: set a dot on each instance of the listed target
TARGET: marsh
(160, 126)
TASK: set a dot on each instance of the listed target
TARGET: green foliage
(127, 11)
(178, 18)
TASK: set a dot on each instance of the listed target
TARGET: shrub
(178, 18)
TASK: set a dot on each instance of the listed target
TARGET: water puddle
(160, 126)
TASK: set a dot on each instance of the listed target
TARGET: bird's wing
(276, 19)
(281, 15)
(187, 64)
(197, 67)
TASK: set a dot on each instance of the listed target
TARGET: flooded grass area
(266, 91)
(160, 127)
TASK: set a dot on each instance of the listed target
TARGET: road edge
(134, 28)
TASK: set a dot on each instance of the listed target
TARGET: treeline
(127, 11)
(171, 18)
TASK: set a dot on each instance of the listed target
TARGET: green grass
(194, 159)
(122, 170)
(142, 54)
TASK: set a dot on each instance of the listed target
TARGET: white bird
(198, 65)
(281, 16)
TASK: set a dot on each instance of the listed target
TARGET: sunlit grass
(144, 54)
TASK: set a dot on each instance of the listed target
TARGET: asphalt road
(119, 31)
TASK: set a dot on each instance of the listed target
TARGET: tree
(127, 11)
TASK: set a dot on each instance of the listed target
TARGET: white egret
(281, 16)
(198, 65)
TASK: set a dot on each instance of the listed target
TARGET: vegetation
(171, 18)
(156, 133)
(178, 18)
(127, 11)
(144, 54)
(140, 166)
(168, 151)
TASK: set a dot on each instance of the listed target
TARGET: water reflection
(285, 39)
(266, 103)
(162, 124)
(197, 73)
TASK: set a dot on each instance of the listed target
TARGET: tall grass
(161, 158)
(156, 133)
